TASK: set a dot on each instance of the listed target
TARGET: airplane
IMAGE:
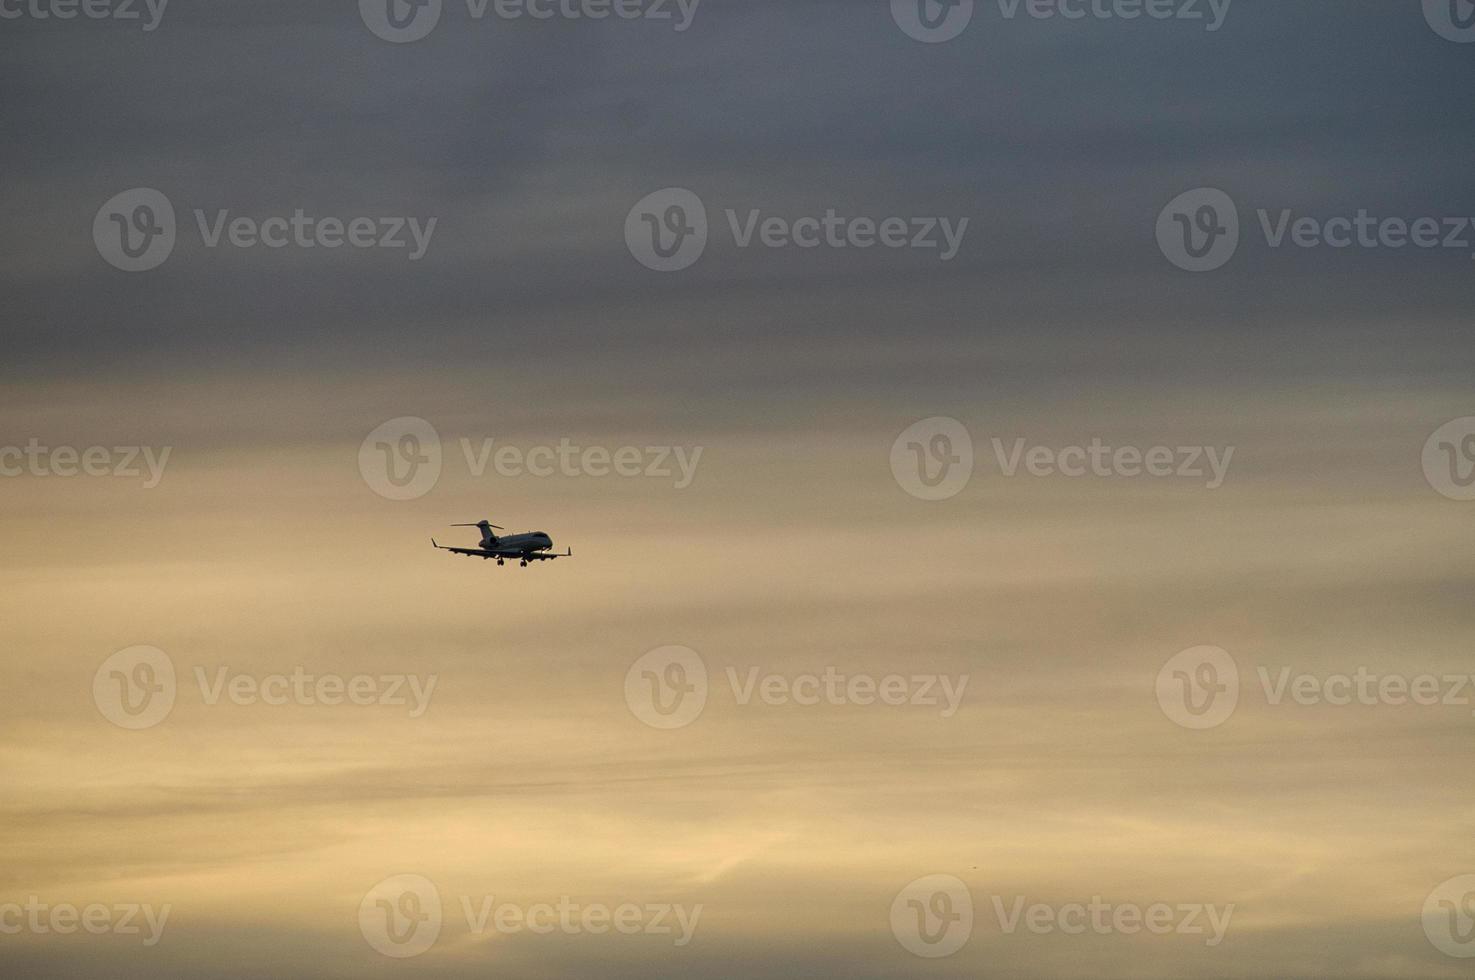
(533, 546)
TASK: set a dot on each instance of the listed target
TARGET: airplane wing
(506, 555)
(474, 552)
(544, 556)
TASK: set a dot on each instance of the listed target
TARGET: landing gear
(501, 562)
(524, 563)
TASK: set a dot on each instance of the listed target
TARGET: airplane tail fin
(486, 530)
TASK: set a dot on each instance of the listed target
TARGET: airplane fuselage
(516, 545)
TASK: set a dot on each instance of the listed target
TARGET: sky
(991, 441)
